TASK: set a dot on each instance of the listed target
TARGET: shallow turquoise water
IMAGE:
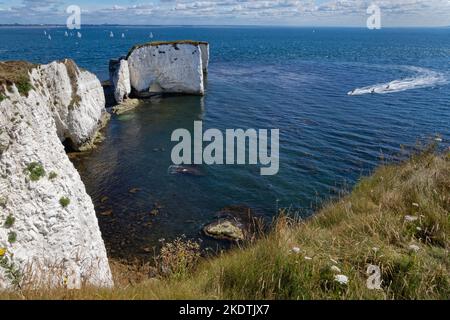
(293, 79)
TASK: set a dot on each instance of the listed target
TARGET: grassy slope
(367, 226)
(16, 72)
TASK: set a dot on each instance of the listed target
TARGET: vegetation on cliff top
(15, 72)
(72, 72)
(162, 43)
(397, 219)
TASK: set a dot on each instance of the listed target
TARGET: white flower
(415, 204)
(375, 249)
(335, 269)
(414, 247)
(296, 249)
(418, 228)
(308, 258)
(341, 279)
(411, 218)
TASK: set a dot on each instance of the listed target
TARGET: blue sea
(297, 80)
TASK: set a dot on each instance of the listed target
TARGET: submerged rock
(233, 223)
(225, 229)
(190, 170)
(54, 238)
(125, 106)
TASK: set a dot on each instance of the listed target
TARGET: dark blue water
(293, 79)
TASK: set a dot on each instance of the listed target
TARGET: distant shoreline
(211, 26)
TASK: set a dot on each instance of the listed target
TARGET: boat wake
(423, 78)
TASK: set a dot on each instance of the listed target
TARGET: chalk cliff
(49, 232)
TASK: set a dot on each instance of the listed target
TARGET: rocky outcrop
(161, 67)
(119, 75)
(234, 223)
(49, 234)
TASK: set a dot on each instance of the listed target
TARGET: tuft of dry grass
(370, 226)
(73, 72)
(15, 72)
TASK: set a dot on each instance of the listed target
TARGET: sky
(394, 13)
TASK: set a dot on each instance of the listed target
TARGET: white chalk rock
(50, 242)
(120, 79)
(204, 47)
(77, 100)
(167, 67)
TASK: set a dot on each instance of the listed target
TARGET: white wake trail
(423, 78)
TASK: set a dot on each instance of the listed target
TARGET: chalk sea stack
(49, 234)
(176, 67)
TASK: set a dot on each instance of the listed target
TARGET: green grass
(52, 175)
(12, 237)
(9, 221)
(36, 171)
(367, 226)
(64, 202)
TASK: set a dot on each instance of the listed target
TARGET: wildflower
(410, 218)
(2, 252)
(418, 228)
(340, 278)
(308, 258)
(375, 249)
(335, 269)
(296, 249)
(415, 204)
(414, 247)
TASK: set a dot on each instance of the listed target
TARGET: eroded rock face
(76, 100)
(204, 47)
(120, 79)
(169, 67)
(49, 232)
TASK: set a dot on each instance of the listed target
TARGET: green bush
(12, 237)
(52, 175)
(9, 221)
(64, 201)
(36, 171)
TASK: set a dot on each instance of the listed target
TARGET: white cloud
(312, 12)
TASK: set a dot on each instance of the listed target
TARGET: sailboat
(78, 34)
(66, 34)
(123, 35)
(49, 37)
(151, 35)
(111, 34)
